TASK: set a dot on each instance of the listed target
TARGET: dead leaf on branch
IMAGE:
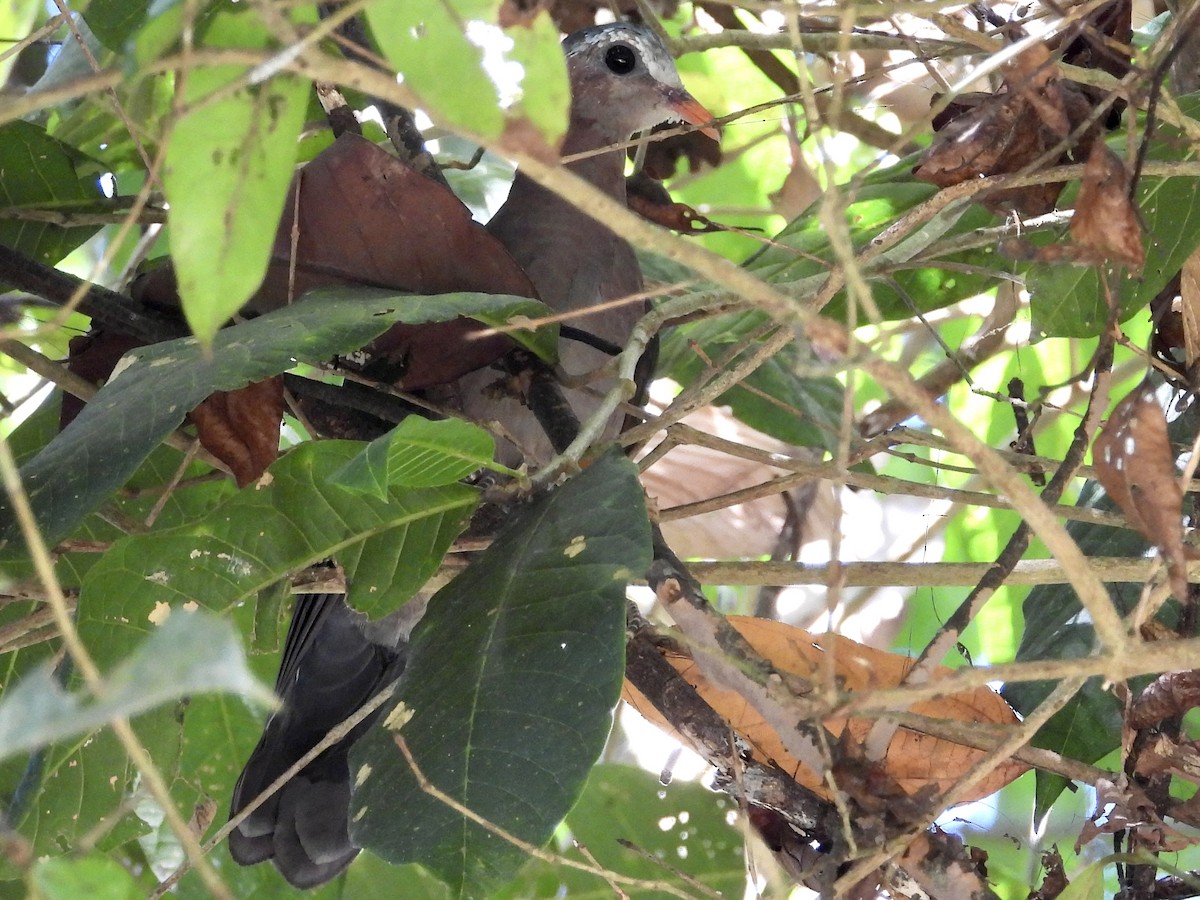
(650, 200)
(915, 761)
(1136, 466)
(1011, 131)
(1122, 805)
(1105, 220)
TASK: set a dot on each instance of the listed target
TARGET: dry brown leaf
(914, 761)
(650, 200)
(1123, 805)
(356, 215)
(241, 428)
(1189, 308)
(1105, 220)
(1010, 131)
(1136, 466)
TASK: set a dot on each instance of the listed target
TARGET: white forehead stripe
(646, 44)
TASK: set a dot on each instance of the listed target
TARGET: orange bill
(693, 112)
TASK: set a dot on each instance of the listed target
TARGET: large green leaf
(262, 535)
(95, 877)
(192, 653)
(115, 21)
(511, 682)
(797, 409)
(53, 175)
(419, 452)
(149, 398)
(427, 43)
(226, 174)
(1068, 301)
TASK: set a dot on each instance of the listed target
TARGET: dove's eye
(620, 59)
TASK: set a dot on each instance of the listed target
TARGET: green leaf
(419, 452)
(388, 548)
(226, 174)
(1067, 300)
(192, 653)
(428, 45)
(904, 279)
(149, 398)
(1087, 884)
(511, 682)
(545, 88)
(95, 877)
(114, 21)
(801, 410)
(53, 175)
(683, 825)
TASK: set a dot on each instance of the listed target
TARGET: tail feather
(330, 668)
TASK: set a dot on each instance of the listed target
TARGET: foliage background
(809, 177)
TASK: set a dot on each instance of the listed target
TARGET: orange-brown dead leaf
(650, 200)
(1105, 221)
(914, 761)
(1136, 466)
(241, 428)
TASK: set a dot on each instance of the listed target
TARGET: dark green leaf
(53, 176)
(511, 681)
(1067, 300)
(150, 397)
(389, 548)
(801, 410)
(114, 21)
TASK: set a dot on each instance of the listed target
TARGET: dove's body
(623, 80)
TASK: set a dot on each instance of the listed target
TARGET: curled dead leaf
(650, 200)
(914, 761)
(1106, 221)
(241, 428)
(1012, 131)
(1136, 466)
